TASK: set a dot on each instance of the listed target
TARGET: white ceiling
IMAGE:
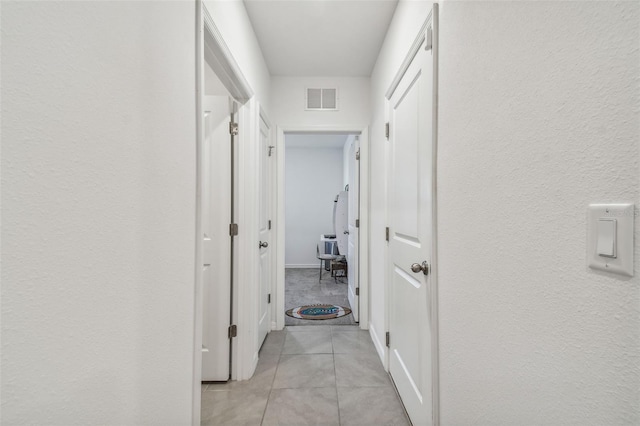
(320, 38)
(311, 140)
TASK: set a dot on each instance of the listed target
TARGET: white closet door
(216, 217)
(410, 240)
(265, 247)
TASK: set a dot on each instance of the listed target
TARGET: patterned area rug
(318, 312)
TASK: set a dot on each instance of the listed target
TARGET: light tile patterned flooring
(309, 375)
(302, 287)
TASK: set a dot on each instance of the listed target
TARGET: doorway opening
(321, 219)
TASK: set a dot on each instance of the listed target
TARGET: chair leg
(320, 278)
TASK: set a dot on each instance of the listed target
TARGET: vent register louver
(322, 99)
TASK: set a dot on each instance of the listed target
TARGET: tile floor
(309, 375)
(302, 287)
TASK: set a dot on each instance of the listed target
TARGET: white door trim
(353, 278)
(217, 53)
(431, 22)
(363, 260)
(211, 47)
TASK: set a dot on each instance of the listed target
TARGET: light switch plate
(623, 214)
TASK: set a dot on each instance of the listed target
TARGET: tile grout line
(335, 376)
(273, 380)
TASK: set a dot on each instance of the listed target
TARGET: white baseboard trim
(300, 266)
(254, 364)
(380, 347)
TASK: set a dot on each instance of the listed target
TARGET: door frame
(431, 21)
(355, 160)
(363, 255)
(211, 48)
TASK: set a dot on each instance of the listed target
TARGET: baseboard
(254, 364)
(380, 347)
(301, 266)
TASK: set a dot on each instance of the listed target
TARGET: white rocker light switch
(610, 238)
(607, 237)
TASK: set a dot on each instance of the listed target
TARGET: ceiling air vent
(322, 99)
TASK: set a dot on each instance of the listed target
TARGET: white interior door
(216, 217)
(410, 239)
(354, 215)
(264, 246)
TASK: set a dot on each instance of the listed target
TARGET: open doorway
(321, 218)
(360, 292)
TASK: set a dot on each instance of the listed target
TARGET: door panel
(264, 311)
(405, 125)
(216, 216)
(354, 214)
(410, 204)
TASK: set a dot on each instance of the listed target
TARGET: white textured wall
(98, 206)
(539, 116)
(407, 20)
(313, 178)
(288, 101)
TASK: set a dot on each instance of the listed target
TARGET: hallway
(324, 375)
(302, 288)
(492, 135)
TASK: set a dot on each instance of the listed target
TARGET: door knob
(263, 244)
(416, 267)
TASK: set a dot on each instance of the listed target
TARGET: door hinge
(357, 223)
(386, 130)
(387, 339)
(233, 331)
(233, 128)
(386, 233)
(269, 298)
(271, 148)
(269, 223)
(357, 291)
(358, 155)
(429, 39)
(233, 229)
